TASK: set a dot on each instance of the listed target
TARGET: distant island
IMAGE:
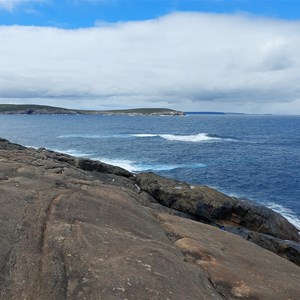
(33, 109)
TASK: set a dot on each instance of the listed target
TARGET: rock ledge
(79, 229)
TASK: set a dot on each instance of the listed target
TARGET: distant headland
(33, 109)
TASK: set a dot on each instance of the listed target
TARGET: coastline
(89, 215)
(280, 209)
(261, 191)
(34, 109)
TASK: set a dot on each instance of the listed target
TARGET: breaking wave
(73, 152)
(195, 138)
(286, 212)
(132, 166)
(129, 165)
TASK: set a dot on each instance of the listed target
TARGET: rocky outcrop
(71, 230)
(251, 221)
(85, 163)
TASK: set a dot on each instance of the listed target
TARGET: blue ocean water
(254, 157)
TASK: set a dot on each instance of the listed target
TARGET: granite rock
(71, 233)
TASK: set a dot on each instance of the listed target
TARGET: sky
(191, 55)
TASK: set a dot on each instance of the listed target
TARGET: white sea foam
(201, 137)
(157, 167)
(194, 138)
(130, 165)
(73, 152)
(286, 212)
(123, 163)
(133, 166)
(166, 167)
(145, 135)
(34, 147)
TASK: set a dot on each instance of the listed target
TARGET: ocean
(247, 156)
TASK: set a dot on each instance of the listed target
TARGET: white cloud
(11, 4)
(187, 61)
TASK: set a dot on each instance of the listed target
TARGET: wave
(123, 163)
(195, 138)
(144, 135)
(129, 165)
(73, 152)
(133, 166)
(201, 137)
(166, 167)
(286, 212)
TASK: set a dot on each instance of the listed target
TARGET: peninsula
(32, 109)
(75, 228)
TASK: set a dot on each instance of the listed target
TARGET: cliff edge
(73, 228)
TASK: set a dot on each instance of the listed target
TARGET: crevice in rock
(65, 279)
(43, 236)
(217, 288)
(5, 273)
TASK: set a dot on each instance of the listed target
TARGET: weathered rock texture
(77, 229)
(251, 221)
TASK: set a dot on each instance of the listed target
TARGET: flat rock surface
(69, 233)
(235, 267)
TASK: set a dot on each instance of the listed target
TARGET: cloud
(188, 61)
(11, 4)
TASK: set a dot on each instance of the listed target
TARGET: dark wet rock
(92, 165)
(262, 219)
(70, 232)
(204, 203)
(213, 207)
(6, 145)
(85, 163)
(284, 248)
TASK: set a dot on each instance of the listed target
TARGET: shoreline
(290, 215)
(104, 166)
(78, 228)
(285, 212)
